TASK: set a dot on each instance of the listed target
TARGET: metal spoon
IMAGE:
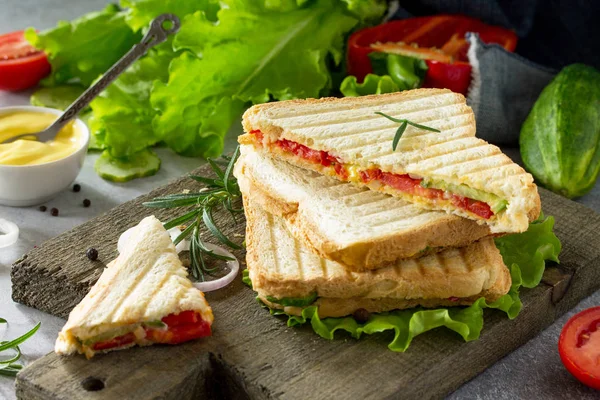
(157, 34)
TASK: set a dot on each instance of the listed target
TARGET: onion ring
(9, 233)
(234, 268)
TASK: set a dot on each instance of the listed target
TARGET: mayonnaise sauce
(31, 152)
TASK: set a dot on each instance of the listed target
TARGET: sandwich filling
(172, 329)
(476, 202)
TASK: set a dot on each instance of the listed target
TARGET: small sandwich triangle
(143, 297)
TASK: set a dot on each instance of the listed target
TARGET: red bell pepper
(439, 40)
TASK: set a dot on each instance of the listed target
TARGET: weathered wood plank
(255, 355)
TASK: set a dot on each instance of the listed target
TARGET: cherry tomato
(579, 346)
(21, 65)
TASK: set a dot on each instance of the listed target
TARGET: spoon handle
(156, 34)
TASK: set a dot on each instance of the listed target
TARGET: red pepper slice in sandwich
(439, 40)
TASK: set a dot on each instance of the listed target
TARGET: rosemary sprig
(8, 366)
(220, 192)
(404, 124)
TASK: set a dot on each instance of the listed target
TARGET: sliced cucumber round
(138, 165)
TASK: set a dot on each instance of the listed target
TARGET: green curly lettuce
(524, 254)
(407, 72)
(294, 301)
(252, 55)
(124, 107)
(142, 12)
(372, 84)
(81, 50)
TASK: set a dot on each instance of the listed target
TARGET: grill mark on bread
(270, 225)
(381, 123)
(336, 105)
(298, 259)
(384, 137)
(382, 132)
(470, 155)
(464, 257)
(506, 171)
(414, 150)
(136, 282)
(323, 267)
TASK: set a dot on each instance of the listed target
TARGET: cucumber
(143, 163)
(59, 97)
(560, 139)
(294, 301)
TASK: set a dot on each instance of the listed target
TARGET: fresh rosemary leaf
(4, 363)
(210, 224)
(20, 339)
(207, 181)
(220, 193)
(168, 203)
(180, 220)
(186, 232)
(426, 128)
(402, 128)
(228, 184)
(399, 133)
(390, 117)
(216, 168)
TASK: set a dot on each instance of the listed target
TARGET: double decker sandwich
(417, 145)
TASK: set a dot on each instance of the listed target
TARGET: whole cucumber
(560, 139)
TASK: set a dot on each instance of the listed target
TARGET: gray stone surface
(533, 371)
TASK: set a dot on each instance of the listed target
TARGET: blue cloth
(503, 89)
(552, 34)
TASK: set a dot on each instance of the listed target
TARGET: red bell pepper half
(439, 40)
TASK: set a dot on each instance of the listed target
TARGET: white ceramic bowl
(27, 185)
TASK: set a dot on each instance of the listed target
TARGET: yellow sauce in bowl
(32, 152)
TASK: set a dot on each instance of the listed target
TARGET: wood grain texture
(255, 355)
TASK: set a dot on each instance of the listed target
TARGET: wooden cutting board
(255, 355)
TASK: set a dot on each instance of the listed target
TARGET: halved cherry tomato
(115, 342)
(579, 346)
(21, 65)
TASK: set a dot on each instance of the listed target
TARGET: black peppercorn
(54, 212)
(361, 315)
(86, 203)
(92, 254)
(43, 208)
(76, 188)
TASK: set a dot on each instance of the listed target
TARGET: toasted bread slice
(130, 300)
(450, 170)
(280, 267)
(357, 227)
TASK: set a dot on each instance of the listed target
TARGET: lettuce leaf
(252, 55)
(524, 254)
(294, 301)
(59, 97)
(142, 12)
(81, 50)
(122, 120)
(407, 72)
(373, 84)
